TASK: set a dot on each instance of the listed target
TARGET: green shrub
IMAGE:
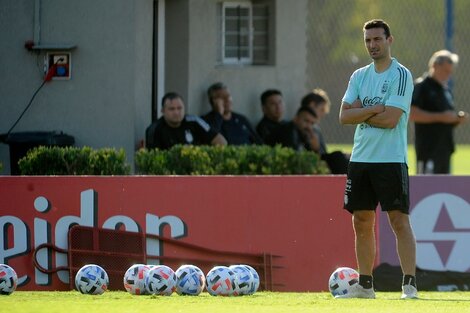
(189, 160)
(74, 161)
(108, 161)
(153, 161)
(228, 160)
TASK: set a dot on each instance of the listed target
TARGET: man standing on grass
(434, 115)
(378, 100)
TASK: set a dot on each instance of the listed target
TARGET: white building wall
(246, 83)
(107, 102)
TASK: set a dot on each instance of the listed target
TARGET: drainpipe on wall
(37, 22)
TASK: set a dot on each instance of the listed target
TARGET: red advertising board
(299, 218)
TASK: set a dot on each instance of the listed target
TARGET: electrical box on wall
(60, 63)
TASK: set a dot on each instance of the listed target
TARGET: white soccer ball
(91, 279)
(342, 279)
(8, 279)
(134, 279)
(256, 282)
(244, 279)
(190, 280)
(161, 280)
(220, 281)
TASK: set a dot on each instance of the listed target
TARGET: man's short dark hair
(378, 23)
(307, 110)
(268, 93)
(312, 97)
(213, 88)
(170, 96)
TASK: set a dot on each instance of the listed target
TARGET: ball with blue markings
(8, 279)
(190, 280)
(341, 281)
(256, 280)
(220, 281)
(244, 279)
(91, 279)
(160, 280)
(134, 279)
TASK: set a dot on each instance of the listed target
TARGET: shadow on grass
(427, 300)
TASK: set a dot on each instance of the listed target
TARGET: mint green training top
(393, 87)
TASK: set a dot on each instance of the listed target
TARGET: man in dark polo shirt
(434, 115)
(175, 127)
(235, 127)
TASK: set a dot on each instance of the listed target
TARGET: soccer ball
(255, 284)
(91, 279)
(342, 279)
(190, 280)
(8, 279)
(243, 279)
(134, 279)
(220, 281)
(161, 280)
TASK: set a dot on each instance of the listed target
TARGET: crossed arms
(379, 115)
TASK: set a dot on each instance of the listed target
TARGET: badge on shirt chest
(188, 136)
(385, 86)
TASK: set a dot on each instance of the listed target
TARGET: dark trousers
(438, 164)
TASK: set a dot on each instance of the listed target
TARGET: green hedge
(74, 161)
(228, 160)
(179, 160)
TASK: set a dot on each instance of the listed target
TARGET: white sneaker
(409, 292)
(357, 291)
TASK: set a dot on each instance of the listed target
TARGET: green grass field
(460, 159)
(269, 302)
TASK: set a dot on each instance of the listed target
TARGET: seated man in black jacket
(233, 126)
(272, 104)
(319, 102)
(298, 134)
(175, 127)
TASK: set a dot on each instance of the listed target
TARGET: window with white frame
(245, 33)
